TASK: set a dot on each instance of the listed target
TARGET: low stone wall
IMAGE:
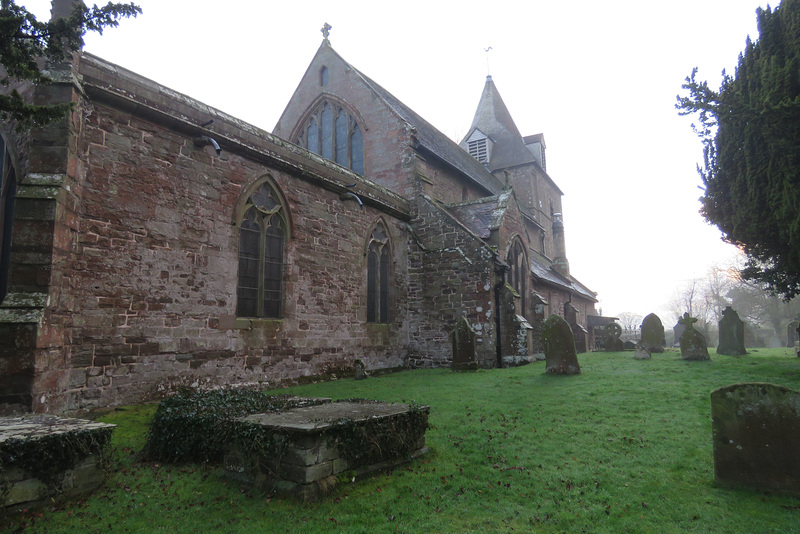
(44, 456)
(308, 457)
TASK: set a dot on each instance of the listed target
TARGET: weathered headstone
(693, 342)
(731, 334)
(463, 338)
(361, 370)
(792, 334)
(559, 347)
(612, 341)
(756, 429)
(652, 334)
(538, 304)
(641, 353)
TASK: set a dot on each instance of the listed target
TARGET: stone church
(151, 242)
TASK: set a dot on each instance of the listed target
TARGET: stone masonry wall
(131, 229)
(153, 279)
(385, 135)
(451, 275)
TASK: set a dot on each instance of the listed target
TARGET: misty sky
(598, 79)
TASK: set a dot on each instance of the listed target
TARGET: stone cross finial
(326, 31)
(687, 320)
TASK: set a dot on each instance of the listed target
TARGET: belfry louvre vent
(478, 149)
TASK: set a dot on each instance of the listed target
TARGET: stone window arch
(379, 274)
(518, 271)
(333, 131)
(8, 195)
(261, 218)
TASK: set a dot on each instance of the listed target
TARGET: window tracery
(378, 276)
(262, 243)
(333, 133)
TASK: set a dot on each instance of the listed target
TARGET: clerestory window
(378, 275)
(262, 243)
(334, 134)
(8, 194)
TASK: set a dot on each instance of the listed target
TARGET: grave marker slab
(464, 354)
(612, 341)
(756, 431)
(652, 334)
(693, 342)
(731, 334)
(559, 347)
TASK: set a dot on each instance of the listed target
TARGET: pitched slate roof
(542, 268)
(431, 139)
(493, 119)
(476, 215)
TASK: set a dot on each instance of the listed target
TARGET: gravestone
(731, 334)
(559, 347)
(537, 323)
(756, 429)
(612, 341)
(677, 331)
(641, 353)
(652, 334)
(693, 342)
(792, 334)
(463, 338)
(361, 370)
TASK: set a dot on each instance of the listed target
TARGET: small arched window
(262, 243)
(518, 272)
(333, 133)
(8, 194)
(378, 276)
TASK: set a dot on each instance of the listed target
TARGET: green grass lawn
(623, 447)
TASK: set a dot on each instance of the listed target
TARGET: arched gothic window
(8, 194)
(262, 243)
(518, 272)
(334, 134)
(378, 275)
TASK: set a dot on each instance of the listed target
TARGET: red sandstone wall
(149, 292)
(385, 135)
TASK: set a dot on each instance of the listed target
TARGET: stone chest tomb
(304, 452)
(44, 456)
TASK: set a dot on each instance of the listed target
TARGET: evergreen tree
(25, 42)
(750, 130)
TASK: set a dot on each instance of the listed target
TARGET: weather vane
(488, 71)
(326, 31)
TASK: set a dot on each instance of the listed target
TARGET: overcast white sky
(599, 79)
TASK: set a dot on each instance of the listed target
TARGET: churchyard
(624, 446)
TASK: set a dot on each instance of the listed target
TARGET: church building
(150, 242)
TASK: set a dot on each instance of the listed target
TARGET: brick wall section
(451, 275)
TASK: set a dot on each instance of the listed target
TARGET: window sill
(230, 322)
